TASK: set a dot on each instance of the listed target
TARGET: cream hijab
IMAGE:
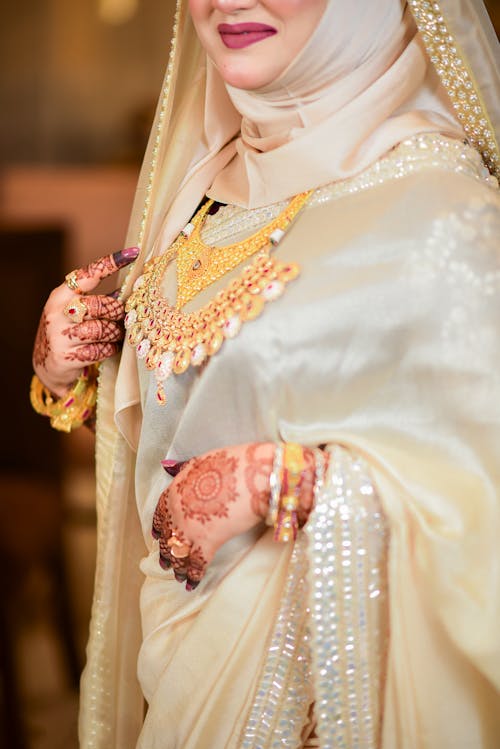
(377, 86)
(362, 84)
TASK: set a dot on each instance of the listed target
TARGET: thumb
(85, 279)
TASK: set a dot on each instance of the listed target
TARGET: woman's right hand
(78, 329)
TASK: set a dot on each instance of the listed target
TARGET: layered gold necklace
(170, 340)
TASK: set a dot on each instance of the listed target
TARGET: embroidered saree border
(457, 78)
(329, 641)
(284, 693)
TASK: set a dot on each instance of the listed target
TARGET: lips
(240, 35)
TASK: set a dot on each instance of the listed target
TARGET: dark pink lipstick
(240, 35)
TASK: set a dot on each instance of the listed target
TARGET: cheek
(198, 9)
(290, 9)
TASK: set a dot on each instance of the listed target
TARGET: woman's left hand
(215, 497)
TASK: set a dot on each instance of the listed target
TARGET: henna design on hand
(93, 352)
(100, 306)
(97, 331)
(161, 515)
(257, 472)
(108, 264)
(42, 346)
(208, 487)
(197, 565)
(101, 268)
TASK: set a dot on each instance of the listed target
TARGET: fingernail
(155, 533)
(192, 585)
(115, 294)
(180, 577)
(173, 467)
(126, 256)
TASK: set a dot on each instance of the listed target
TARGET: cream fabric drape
(387, 345)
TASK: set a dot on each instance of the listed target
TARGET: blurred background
(79, 81)
(78, 86)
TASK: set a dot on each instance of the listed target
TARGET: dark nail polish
(124, 257)
(192, 585)
(180, 577)
(155, 532)
(115, 294)
(172, 467)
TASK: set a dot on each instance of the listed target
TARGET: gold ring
(75, 310)
(72, 283)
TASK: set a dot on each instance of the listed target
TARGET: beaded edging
(283, 693)
(457, 79)
(347, 550)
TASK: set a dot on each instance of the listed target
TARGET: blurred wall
(75, 89)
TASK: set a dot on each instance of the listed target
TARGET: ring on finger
(71, 281)
(179, 549)
(76, 310)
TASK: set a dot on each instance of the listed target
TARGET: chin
(244, 79)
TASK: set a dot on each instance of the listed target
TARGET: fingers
(92, 352)
(85, 279)
(187, 561)
(95, 331)
(104, 307)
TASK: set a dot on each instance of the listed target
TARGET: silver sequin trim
(347, 538)
(284, 692)
(416, 154)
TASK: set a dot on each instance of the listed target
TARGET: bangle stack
(285, 481)
(75, 408)
(285, 484)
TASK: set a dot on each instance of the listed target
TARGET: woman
(366, 342)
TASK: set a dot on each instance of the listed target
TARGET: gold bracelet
(286, 524)
(73, 409)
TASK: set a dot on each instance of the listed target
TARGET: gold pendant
(199, 265)
(169, 340)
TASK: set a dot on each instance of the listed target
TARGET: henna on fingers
(209, 486)
(162, 519)
(93, 352)
(108, 264)
(197, 565)
(42, 344)
(97, 331)
(257, 471)
(105, 307)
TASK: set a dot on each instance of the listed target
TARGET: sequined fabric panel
(328, 646)
(284, 692)
(347, 539)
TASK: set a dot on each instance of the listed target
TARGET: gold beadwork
(199, 265)
(457, 79)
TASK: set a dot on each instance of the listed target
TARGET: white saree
(385, 615)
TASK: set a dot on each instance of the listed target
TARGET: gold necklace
(170, 340)
(199, 264)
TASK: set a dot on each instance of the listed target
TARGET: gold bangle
(286, 524)
(73, 409)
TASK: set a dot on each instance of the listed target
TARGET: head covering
(192, 139)
(362, 84)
